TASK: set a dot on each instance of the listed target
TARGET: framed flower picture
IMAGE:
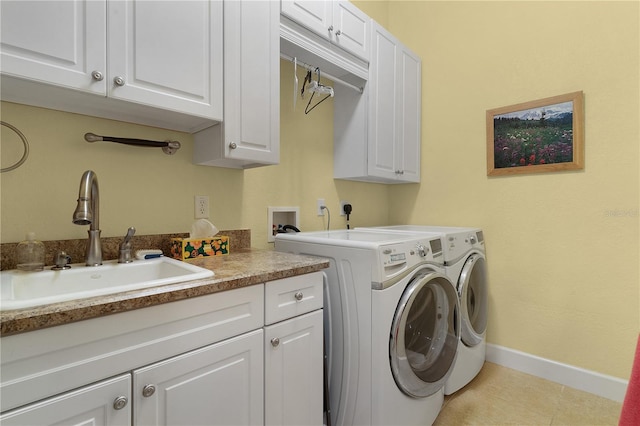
(545, 135)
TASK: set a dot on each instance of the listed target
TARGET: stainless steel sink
(21, 289)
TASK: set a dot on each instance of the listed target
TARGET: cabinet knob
(298, 296)
(97, 76)
(233, 145)
(275, 342)
(148, 390)
(120, 402)
(338, 32)
(119, 81)
(330, 28)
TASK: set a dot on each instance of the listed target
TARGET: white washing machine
(465, 265)
(391, 320)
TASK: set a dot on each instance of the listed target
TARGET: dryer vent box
(280, 216)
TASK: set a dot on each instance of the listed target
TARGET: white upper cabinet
(377, 134)
(160, 53)
(338, 21)
(155, 63)
(250, 133)
(59, 42)
(351, 28)
(395, 101)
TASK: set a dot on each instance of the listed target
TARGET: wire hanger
(295, 82)
(314, 86)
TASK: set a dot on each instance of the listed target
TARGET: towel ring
(26, 148)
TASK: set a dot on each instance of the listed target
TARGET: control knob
(422, 250)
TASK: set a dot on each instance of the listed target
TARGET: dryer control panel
(396, 258)
(460, 243)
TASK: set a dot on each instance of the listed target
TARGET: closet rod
(325, 74)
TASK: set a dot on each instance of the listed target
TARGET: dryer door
(472, 288)
(424, 334)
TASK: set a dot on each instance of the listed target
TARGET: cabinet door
(58, 42)
(294, 371)
(104, 403)
(313, 14)
(409, 136)
(167, 54)
(383, 111)
(395, 99)
(250, 133)
(252, 80)
(351, 28)
(220, 384)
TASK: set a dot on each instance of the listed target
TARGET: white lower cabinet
(293, 358)
(220, 384)
(104, 403)
(210, 360)
(293, 363)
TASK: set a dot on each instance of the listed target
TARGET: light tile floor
(502, 396)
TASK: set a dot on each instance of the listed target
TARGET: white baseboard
(578, 378)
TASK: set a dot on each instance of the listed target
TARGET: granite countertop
(241, 268)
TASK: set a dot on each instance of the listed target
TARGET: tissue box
(190, 248)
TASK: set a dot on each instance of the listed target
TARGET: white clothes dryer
(465, 264)
(391, 321)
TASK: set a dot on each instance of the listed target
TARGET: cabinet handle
(275, 342)
(97, 76)
(148, 390)
(119, 81)
(120, 402)
(233, 145)
(299, 296)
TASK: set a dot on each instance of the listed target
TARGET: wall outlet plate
(201, 207)
(320, 205)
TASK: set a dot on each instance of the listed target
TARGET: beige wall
(562, 248)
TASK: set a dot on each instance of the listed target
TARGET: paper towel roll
(202, 228)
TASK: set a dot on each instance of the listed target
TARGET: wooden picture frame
(546, 135)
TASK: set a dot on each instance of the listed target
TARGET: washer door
(472, 288)
(424, 334)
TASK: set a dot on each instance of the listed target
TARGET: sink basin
(21, 289)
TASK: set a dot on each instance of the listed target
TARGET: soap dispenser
(30, 254)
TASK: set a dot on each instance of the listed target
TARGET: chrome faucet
(88, 213)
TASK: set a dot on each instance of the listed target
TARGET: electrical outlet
(202, 207)
(321, 204)
(342, 203)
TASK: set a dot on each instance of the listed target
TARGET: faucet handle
(61, 260)
(125, 247)
(127, 238)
